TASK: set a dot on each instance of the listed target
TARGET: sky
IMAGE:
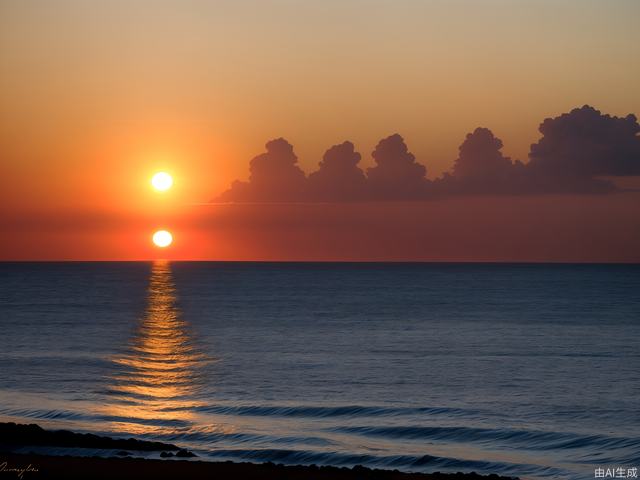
(96, 96)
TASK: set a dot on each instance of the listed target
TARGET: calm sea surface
(529, 370)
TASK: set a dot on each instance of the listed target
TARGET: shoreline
(116, 458)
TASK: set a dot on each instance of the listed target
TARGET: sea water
(517, 369)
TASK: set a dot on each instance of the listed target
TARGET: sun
(162, 181)
(162, 238)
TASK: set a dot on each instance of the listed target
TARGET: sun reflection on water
(158, 378)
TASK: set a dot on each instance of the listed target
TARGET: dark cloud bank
(576, 150)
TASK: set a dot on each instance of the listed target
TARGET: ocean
(518, 369)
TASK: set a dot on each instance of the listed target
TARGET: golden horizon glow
(162, 238)
(148, 87)
(162, 181)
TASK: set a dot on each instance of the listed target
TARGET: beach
(108, 458)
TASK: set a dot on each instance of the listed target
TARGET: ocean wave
(44, 414)
(84, 417)
(405, 462)
(530, 439)
(205, 437)
(324, 412)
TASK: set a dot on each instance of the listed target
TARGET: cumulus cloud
(481, 167)
(275, 177)
(578, 147)
(587, 143)
(338, 178)
(480, 156)
(397, 175)
(575, 151)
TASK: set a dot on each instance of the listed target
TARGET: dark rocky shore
(116, 461)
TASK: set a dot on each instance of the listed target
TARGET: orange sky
(97, 96)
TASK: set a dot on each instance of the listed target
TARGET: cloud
(578, 147)
(536, 228)
(584, 142)
(575, 151)
(480, 157)
(339, 178)
(274, 177)
(481, 167)
(396, 176)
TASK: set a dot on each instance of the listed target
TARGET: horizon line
(397, 262)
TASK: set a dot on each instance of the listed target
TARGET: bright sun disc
(162, 238)
(162, 181)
